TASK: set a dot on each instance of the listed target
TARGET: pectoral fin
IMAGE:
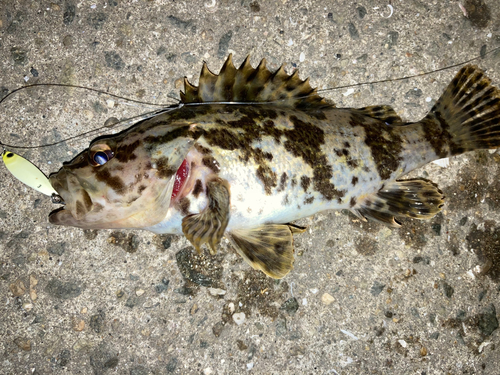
(419, 199)
(209, 225)
(268, 248)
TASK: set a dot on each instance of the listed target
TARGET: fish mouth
(77, 202)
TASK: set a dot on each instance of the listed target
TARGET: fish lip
(53, 216)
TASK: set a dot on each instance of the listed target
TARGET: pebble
(27, 306)
(23, 343)
(33, 281)
(82, 345)
(17, 288)
(291, 306)
(231, 307)
(488, 321)
(239, 318)
(139, 292)
(302, 57)
(110, 103)
(194, 309)
(64, 290)
(77, 324)
(84, 310)
(327, 299)
(423, 351)
(216, 291)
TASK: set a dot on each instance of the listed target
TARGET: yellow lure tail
(27, 173)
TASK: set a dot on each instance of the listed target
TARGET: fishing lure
(27, 173)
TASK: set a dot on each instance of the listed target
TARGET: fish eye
(100, 155)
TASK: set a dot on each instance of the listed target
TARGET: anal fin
(417, 198)
(268, 248)
(209, 225)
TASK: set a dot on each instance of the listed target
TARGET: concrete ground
(362, 299)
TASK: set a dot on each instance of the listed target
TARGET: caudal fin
(466, 117)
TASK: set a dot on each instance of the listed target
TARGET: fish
(249, 151)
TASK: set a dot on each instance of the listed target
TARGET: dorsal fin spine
(253, 85)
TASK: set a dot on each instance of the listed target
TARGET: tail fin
(466, 117)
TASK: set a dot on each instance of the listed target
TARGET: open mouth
(180, 178)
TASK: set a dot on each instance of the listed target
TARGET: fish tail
(466, 117)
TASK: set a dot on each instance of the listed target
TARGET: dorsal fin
(250, 85)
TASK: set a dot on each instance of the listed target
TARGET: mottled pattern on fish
(246, 170)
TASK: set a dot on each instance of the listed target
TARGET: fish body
(250, 151)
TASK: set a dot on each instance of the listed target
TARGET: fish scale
(250, 151)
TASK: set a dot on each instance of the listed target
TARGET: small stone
(84, 310)
(297, 350)
(281, 327)
(27, 306)
(353, 31)
(377, 288)
(488, 321)
(82, 344)
(97, 321)
(241, 345)
(171, 365)
(239, 318)
(33, 281)
(33, 294)
(57, 248)
(291, 306)
(139, 370)
(163, 286)
(423, 351)
(216, 291)
(17, 288)
(447, 289)
(139, 292)
(194, 309)
(327, 299)
(67, 41)
(23, 343)
(77, 324)
(132, 301)
(63, 358)
(113, 60)
(217, 329)
(231, 307)
(63, 290)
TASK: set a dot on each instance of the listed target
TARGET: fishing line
(85, 88)
(169, 107)
(122, 122)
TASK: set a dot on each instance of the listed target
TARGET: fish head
(124, 181)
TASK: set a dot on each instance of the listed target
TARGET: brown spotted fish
(249, 151)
